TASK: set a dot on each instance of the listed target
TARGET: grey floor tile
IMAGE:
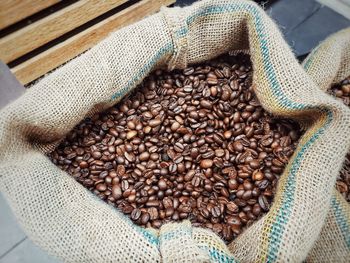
(339, 6)
(10, 88)
(305, 23)
(291, 13)
(27, 252)
(315, 29)
(10, 231)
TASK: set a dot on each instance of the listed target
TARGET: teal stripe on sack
(151, 238)
(176, 233)
(220, 9)
(284, 212)
(310, 59)
(288, 196)
(341, 220)
(217, 255)
(214, 254)
(282, 218)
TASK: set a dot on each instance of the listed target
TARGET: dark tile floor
(304, 24)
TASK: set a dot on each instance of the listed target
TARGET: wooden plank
(61, 53)
(12, 11)
(39, 33)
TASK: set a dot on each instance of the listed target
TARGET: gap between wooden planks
(44, 30)
(12, 11)
(61, 53)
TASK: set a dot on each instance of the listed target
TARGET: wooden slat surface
(39, 33)
(57, 55)
(12, 11)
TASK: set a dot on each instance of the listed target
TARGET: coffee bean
(206, 163)
(130, 157)
(196, 181)
(154, 203)
(215, 211)
(263, 203)
(154, 123)
(169, 211)
(135, 214)
(237, 145)
(233, 184)
(232, 207)
(254, 164)
(206, 104)
(127, 209)
(101, 187)
(178, 147)
(205, 213)
(193, 144)
(145, 218)
(131, 134)
(188, 71)
(257, 175)
(125, 185)
(162, 184)
(83, 165)
(144, 156)
(175, 126)
(189, 175)
(153, 212)
(219, 152)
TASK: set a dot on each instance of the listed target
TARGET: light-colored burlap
(72, 224)
(327, 64)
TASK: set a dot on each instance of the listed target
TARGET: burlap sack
(327, 64)
(72, 224)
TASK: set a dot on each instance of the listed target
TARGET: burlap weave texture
(72, 224)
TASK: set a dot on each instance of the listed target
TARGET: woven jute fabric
(308, 220)
(327, 64)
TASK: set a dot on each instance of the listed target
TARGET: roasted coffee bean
(233, 184)
(125, 185)
(101, 187)
(144, 156)
(216, 211)
(154, 203)
(162, 184)
(257, 175)
(263, 203)
(232, 207)
(153, 213)
(238, 146)
(145, 218)
(154, 123)
(83, 165)
(233, 220)
(135, 214)
(193, 144)
(189, 175)
(116, 191)
(206, 163)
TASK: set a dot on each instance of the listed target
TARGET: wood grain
(39, 33)
(61, 53)
(12, 11)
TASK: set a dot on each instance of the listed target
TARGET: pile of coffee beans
(192, 144)
(342, 91)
